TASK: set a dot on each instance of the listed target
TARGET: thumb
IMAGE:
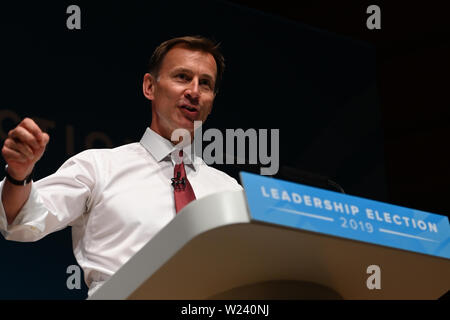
(45, 138)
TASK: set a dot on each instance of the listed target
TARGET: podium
(214, 249)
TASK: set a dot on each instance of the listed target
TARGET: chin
(188, 127)
(187, 124)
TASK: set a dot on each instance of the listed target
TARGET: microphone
(308, 178)
(177, 183)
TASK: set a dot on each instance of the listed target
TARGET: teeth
(190, 109)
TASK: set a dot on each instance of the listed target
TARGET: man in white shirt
(117, 199)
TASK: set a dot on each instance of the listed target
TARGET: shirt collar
(161, 148)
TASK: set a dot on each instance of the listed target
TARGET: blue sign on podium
(332, 213)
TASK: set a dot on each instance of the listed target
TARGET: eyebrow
(204, 75)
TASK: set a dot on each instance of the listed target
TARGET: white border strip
(305, 214)
(405, 235)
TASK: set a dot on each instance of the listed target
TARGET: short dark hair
(192, 42)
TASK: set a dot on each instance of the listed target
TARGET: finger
(32, 127)
(23, 135)
(12, 155)
(45, 139)
(20, 147)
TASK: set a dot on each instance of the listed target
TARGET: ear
(148, 86)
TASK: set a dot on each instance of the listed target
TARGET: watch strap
(23, 182)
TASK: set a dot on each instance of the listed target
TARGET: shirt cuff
(26, 225)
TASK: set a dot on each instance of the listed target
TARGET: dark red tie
(182, 189)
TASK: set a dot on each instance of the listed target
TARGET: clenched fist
(24, 146)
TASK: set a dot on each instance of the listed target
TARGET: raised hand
(24, 146)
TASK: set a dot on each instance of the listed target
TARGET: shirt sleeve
(54, 202)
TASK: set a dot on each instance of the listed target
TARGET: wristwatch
(23, 182)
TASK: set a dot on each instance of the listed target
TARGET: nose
(193, 92)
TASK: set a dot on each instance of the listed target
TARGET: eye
(205, 82)
(182, 76)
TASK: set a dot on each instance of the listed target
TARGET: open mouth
(189, 112)
(189, 108)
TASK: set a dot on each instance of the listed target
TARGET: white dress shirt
(116, 200)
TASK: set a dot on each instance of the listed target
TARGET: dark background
(365, 108)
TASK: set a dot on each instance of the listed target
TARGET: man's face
(183, 91)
